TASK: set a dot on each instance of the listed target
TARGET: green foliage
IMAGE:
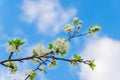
(92, 64)
(93, 29)
(33, 75)
(74, 63)
(63, 53)
(50, 46)
(77, 57)
(75, 21)
(16, 42)
(53, 64)
(13, 67)
(34, 52)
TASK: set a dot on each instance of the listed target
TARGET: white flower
(75, 20)
(68, 28)
(61, 45)
(29, 72)
(40, 50)
(12, 48)
(42, 68)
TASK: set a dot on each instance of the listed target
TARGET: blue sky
(39, 21)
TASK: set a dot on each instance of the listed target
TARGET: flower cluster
(68, 28)
(12, 48)
(77, 25)
(40, 50)
(60, 46)
(13, 67)
(14, 45)
(94, 29)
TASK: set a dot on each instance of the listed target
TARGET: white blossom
(75, 20)
(61, 45)
(12, 48)
(68, 28)
(40, 50)
(42, 68)
(29, 72)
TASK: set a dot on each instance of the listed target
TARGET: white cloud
(5, 75)
(49, 15)
(106, 52)
(42, 77)
(19, 75)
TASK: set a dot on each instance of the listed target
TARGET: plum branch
(49, 56)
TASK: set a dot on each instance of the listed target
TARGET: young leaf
(77, 57)
(33, 75)
(50, 46)
(63, 53)
(91, 64)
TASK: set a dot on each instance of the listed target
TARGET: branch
(26, 58)
(69, 60)
(10, 56)
(74, 35)
(37, 68)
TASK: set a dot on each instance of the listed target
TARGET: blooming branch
(49, 56)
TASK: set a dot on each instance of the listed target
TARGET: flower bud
(79, 27)
(75, 20)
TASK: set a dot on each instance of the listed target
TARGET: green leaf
(63, 53)
(10, 64)
(75, 21)
(74, 63)
(22, 43)
(17, 42)
(53, 64)
(13, 67)
(77, 57)
(50, 46)
(33, 75)
(91, 64)
(11, 42)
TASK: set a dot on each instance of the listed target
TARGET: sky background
(42, 21)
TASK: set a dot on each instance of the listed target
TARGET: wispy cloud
(5, 75)
(106, 52)
(49, 15)
(19, 75)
